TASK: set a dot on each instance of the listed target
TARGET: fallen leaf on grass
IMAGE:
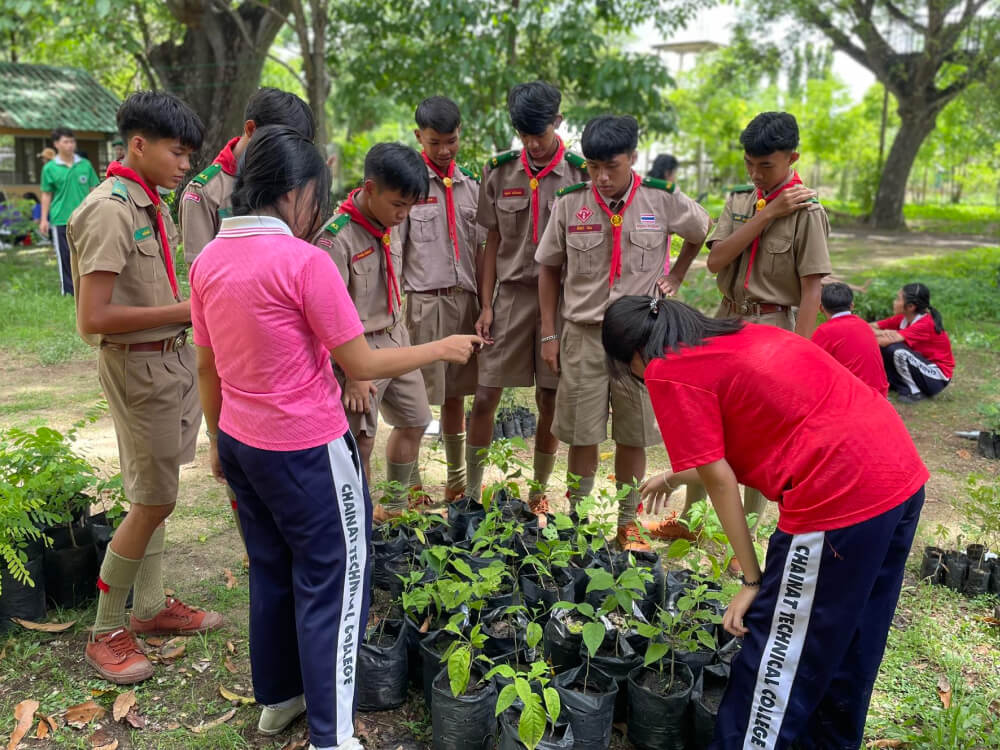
(206, 725)
(990, 620)
(944, 691)
(885, 743)
(113, 745)
(24, 715)
(123, 704)
(44, 627)
(230, 578)
(134, 720)
(172, 649)
(609, 454)
(231, 647)
(82, 714)
(299, 744)
(963, 454)
(98, 692)
(230, 667)
(202, 666)
(155, 641)
(43, 730)
(229, 695)
(100, 738)
(169, 592)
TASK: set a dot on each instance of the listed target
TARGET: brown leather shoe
(451, 495)
(630, 538)
(418, 498)
(117, 658)
(381, 514)
(177, 618)
(669, 528)
(540, 507)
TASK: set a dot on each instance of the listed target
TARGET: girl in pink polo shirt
(268, 309)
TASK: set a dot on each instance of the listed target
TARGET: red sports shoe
(630, 538)
(177, 618)
(117, 658)
(669, 528)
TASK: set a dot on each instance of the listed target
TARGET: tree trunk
(916, 123)
(216, 67)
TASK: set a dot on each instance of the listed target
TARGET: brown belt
(448, 291)
(163, 346)
(755, 308)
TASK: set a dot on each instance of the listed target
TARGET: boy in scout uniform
(121, 243)
(514, 205)
(369, 256)
(769, 252)
(610, 238)
(440, 240)
(208, 197)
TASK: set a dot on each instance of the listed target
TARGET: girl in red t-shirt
(915, 348)
(756, 405)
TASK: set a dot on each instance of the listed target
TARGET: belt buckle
(746, 308)
(179, 340)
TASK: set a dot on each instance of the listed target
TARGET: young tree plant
(540, 704)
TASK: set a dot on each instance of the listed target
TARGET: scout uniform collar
(248, 226)
(447, 179)
(227, 159)
(616, 219)
(117, 169)
(762, 200)
(535, 178)
(384, 238)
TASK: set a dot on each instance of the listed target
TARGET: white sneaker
(349, 744)
(277, 720)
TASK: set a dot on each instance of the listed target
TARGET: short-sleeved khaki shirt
(361, 261)
(115, 230)
(505, 205)
(428, 253)
(206, 201)
(790, 247)
(579, 236)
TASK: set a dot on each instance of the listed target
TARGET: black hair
(277, 160)
(156, 115)
(533, 106)
(919, 296)
(397, 167)
(769, 132)
(31, 197)
(438, 113)
(270, 106)
(58, 133)
(662, 164)
(836, 297)
(607, 136)
(652, 327)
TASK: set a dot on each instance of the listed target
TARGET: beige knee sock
(117, 576)
(543, 464)
(628, 505)
(415, 479)
(475, 466)
(584, 489)
(402, 474)
(454, 453)
(149, 596)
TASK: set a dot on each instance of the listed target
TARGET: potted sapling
(463, 699)
(543, 576)
(529, 709)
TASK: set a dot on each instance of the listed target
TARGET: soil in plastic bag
(558, 738)
(560, 644)
(727, 653)
(697, 660)
(71, 572)
(20, 600)
(504, 632)
(975, 552)
(466, 722)
(432, 648)
(706, 696)
(956, 566)
(382, 668)
(539, 597)
(977, 581)
(588, 703)
(463, 515)
(656, 721)
(932, 565)
(615, 658)
(994, 587)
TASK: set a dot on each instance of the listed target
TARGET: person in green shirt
(66, 181)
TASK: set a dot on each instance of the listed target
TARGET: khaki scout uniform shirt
(790, 247)
(580, 236)
(428, 252)
(114, 230)
(505, 205)
(361, 261)
(207, 200)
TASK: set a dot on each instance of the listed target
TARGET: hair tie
(654, 306)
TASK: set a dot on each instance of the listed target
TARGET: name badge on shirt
(362, 255)
(512, 192)
(574, 228)
(427, 201)
(142, 234)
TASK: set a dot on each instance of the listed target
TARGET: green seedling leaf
(506, 699)
(533, 634)
(504, 670)
(459, 664)
(531, 727)
(655, 652)
(523, 688)
(706, 640)
(553, 706)
(593, 636)
(600, 580)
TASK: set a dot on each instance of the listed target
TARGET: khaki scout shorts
(586, 390)
(429, 318)
(514, 360)
(402, 401)
(784, 319)
(153, 400)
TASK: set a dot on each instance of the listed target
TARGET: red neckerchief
(227, 159)
(616, 226)
(535, 179)
(348, 207)
(117, 169)
(763, 200)
(449, 197)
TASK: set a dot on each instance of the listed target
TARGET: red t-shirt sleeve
(690, 420)
(328, 308)
(920, 335)
(891, 324)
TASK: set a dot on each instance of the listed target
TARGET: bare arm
(548, 304)
(360, 362)
(811, 289)
(210, 392)
(43, 222)
(670, 283)
(887, 337)
(98, 315)
(487, 284)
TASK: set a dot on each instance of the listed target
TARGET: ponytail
(919, 296)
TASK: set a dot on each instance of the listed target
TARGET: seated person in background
(848, 339)
(664, 168)
(916, 350)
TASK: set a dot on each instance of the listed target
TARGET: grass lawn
(940, 639)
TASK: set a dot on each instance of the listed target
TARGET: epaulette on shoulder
(741, 189)
(468, 173)
(118, 190)
(658, 184)
(495, 161)
(571, 188)
(576, 160)
(205, 175)
(337, 224)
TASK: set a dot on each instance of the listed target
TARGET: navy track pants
(306, 517)
(817, 632)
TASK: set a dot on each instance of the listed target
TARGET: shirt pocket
(509, 211)
(149, 260)
(364, 279)
(780, 258)
(645, 249)
(423, 225)
(583, 254)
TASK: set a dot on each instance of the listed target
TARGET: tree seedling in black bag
(540, 704)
